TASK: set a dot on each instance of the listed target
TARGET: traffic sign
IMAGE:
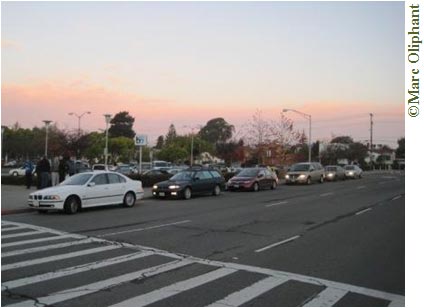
(140, 140)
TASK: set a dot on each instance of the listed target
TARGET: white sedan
(88, 189)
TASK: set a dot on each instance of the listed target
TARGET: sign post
(140, 140)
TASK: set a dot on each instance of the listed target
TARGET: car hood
(57, 190)
(242, 178)
(297, 172)
(171, 182)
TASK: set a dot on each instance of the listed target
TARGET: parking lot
(347, 235)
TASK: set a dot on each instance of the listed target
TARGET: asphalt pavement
(331, 244)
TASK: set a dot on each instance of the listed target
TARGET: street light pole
(107, 118)
(79, 119)
(309, 117)
(46, 122)
(192, 141)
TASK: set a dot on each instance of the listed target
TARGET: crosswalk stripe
(56, 258)
(326, 298)
(173, 289)
(97, 286)
(37, 240)
(21, 234)
(72, 270)
(43, 248)
(243, 296)
(13, 228)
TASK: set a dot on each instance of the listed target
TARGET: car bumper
(352, 176)
(166, 193)
(296, 180)
(239, 186)
(45, 204)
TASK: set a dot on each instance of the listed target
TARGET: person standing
(38, 173)
(62, 169)
(55, 171)
(45, 172)
(29, 168)
(70, 163)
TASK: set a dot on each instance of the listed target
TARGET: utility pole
(371, 124)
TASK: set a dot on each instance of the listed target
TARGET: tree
(121, 125)
(400, 151)
(342, 139)
(216, 131)
(160, 142)
(171, 135)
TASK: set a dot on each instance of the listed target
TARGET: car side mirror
(260, 175)
(311, 169)
(91, 184)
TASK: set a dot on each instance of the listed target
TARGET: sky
(185, 63)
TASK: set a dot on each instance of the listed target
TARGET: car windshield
(350, 167)
(248, 172)
(78, 179)
(330, 168)
(300, 167)
(182, 176)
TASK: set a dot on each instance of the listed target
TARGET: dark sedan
(334, 173)
(188, 182)
(253, 179)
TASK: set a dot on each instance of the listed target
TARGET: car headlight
(330, 174)
(351, 173)
(302, 176)
(51, 197)
(174, 186)
(287, 176)
(155, 187)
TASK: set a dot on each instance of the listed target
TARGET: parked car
(89, 189)
(155, 172)
(353, 171)
(102, 167)
(189, 182)
(18, 171)
(253, 179)
(11, 163)
(334, 173)
(305, 173)
(125, 169)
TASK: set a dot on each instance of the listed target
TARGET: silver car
(353, 171)
(305, 173)
(334, 173)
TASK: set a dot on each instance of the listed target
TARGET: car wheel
(42, 211)
(71, 205)
(216, 190)
(255, 186)
(187, 193)
(274, 185)
(129, 199)
(308, 181)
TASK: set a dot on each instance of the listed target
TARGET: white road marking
(397, 197)
(326, 194)
(326, 298)
(21, 234)
(384, 182)
(278, 203)
(361, 187)
(12, 228)
(363, 211)
(6, 267)
(43, 248)
(104, 284)
(144, 229)
(243, 296)
(72, 270)
(278, 243)
(37, 240)
(173, 289)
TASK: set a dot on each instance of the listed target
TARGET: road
(331, 244)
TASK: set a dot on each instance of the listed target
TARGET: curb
(17, 211)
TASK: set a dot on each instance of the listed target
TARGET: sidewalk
(14, 199)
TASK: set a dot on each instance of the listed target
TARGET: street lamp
(309, 117)
(79, 119)
(46, 122)
(192, 140)
(107, 118)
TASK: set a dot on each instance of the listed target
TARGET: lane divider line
(278, 243)
(397, 197)
(360, 187)
(326, 194)
(363, 211)
(144, 229)
(278, 203)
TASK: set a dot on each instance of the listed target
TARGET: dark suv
(190, 181)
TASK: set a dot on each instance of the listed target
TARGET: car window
(113, 178)
(300, 167)
(215, 174)
(248, 172)
(121, 179)
(100, 179)
(203, 175)
(79, 179)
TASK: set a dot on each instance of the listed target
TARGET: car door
(116, 188)
(98, 192)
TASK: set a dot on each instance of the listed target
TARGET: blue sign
(140, 140)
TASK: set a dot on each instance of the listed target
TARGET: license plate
(35, 203)
(236, 186)
(161, 194)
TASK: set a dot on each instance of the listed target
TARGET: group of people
(49, 173)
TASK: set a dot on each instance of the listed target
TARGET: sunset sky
(185, 63)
